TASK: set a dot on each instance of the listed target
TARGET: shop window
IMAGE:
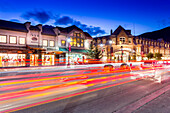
(51, 43)
(12, 39)
(21, 40)
(45, 42)
(3, 38)
(63, 43)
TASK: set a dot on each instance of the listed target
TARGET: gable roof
(70, 28)
(88, 36)
(8, 25)
(119, 29)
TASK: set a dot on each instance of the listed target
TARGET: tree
(158, 56)
(149, 55)
(97, 53)
(94, 53)
(91, 50)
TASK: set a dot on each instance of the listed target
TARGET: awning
(79, 50)
(35, 47)
(63, 49)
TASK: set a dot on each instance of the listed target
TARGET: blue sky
(94, 16)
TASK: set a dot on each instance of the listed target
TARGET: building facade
(28, 45)
(120, 45)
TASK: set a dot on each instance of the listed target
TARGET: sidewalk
(25, 69)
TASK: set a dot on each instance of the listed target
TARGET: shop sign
(34, 40)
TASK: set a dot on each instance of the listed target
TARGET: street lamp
(122, 53)
(69, 47)
(110, 42)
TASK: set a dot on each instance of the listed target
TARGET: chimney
(111, 31)
(129, 31)
(39, 26)
(27, 24)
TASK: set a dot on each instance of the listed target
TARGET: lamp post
(69, 49)
(110, 42)
(122, 53)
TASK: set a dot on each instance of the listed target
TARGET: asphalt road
(73, 91)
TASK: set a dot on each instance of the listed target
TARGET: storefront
(48, 59)
(34, 60)
(76, 56)
(12, 59)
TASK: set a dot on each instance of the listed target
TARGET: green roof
(74, 50)
(79, 50)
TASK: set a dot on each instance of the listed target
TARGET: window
(122, 40)
(45, 42)
(63, 43)
(21, 40)
(3, 38)
(12, 39)
(71, 43)
(77, 34)
(130, 40)
(78, 42)
(51, 43)
(75, 43)
(98, 41)
(82, 42)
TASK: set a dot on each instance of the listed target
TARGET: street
(81, 90)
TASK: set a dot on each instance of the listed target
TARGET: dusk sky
(97, 17)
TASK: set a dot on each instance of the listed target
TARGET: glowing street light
(110, 42)
(69, 50)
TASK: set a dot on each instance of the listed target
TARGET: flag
(69, 47)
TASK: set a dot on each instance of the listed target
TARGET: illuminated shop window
(21, 40)
(3, 38)
(63, 43)
(51, 43)
(45, 42)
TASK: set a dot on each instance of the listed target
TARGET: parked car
(108, 67)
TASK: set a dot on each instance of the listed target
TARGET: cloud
(66, 20)
(40, 16)
(15, 20)
(44, 16)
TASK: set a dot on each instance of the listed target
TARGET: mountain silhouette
(162, 33)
